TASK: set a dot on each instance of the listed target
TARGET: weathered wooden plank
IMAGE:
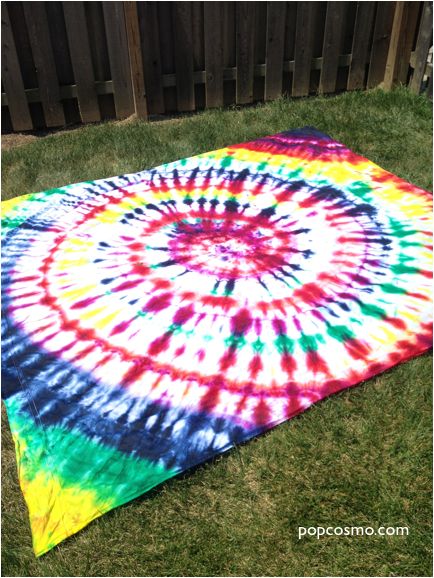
(245, 21)
(276, 14)
(392, 57)
(182, 16)
(167, 50)
(408, 39)
(100, 58)
(39, 36)
(117, 45)
(422, 47)
(229, 33)
(403, 31)
(380, 42)
(332, 46)
(303, 48)
(12, 78)
(22, 44)
(213, 54)
(79, 49)
(136, 61)
(149, 34)
(197, 31)
(59, 42)
(288, 54)
(359, 52)
(97, 39)
(62, 58)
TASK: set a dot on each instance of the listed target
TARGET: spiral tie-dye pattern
(152, 321)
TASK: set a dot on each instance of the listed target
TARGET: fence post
(245, 30)
(213, 54)
(403, 30)
(136, 60)
(276, 14)
(79, 49)
(117, 44)
(43, 56)
(303, 48)
(12, 77)
(422, 47)
(183, 27)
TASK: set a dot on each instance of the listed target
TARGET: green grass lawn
(360, 458)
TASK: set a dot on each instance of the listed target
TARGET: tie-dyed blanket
(152, 321)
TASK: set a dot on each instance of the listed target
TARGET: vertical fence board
(197, 31)
(360, 48)
(303, 48)
(37, 26)
(182, 15)
(276, 14)
(390, 75)
(12, 78)
(213, 54)
(245, 19)
(22, 43)
(229, 50)
(332, 46)
(150, 38)
(424, 41)
(380, 42)
(167, 49)
(229, 33)
(117, 45)
(79, 49)
(406, 40)
(290, 23)
(288, 54)
(198, 51)
(99, 52)
(62, 58)
(59, 42)
(97, 40)
(136, 61)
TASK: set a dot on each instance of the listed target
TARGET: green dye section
(410, 244)
(402, 269)
(388, 288)
(361, 190)
(310, 342)
(372, 310)
(178, 329)
(258, 346)
(340, 333)
(284, 344)
(235, 342)
(80, 461)
(399, 229)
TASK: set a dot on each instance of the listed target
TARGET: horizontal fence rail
(77, 62)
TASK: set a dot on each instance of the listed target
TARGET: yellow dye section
(8, 207)
(55, 512)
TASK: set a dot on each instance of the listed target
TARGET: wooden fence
(70, 62)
